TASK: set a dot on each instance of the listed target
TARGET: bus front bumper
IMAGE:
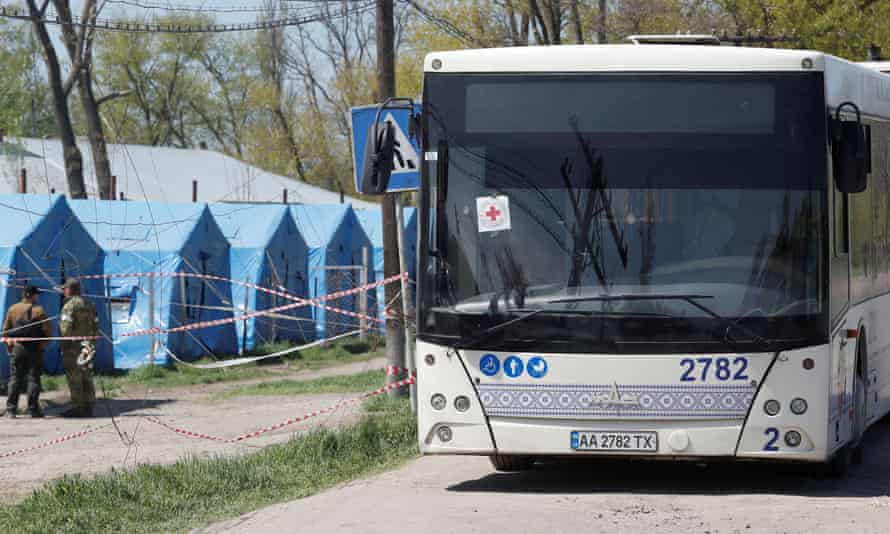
(751, 433)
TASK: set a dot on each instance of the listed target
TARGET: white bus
(662, 251)
(883, 66)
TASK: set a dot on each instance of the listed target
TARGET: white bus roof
(883, 66)
(628, 57)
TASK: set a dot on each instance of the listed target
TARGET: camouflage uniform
(78, 318)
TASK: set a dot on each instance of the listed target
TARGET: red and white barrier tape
(218, 322)
(56, 441)
(184, 432)
(287, 422)
(236, 439)
(58, 338)
(283, 294)
(299, 303)
(392, 370)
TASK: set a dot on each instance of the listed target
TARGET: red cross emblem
(493, 213)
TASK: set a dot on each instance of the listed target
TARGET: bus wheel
(511, 462)
(852, 453)
(860, 394)
(839, 464)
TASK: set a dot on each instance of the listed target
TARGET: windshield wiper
(764, 344)
(634, 296)
(484, 334)
(531, 312)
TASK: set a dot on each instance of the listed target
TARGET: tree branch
(111, 96)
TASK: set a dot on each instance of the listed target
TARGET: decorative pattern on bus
(613, 400)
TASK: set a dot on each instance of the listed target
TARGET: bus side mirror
(851, 152)
(378, 161)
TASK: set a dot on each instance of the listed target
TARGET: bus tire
(838, 465)
(511, 462)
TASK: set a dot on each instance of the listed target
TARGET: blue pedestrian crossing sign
(406, 160)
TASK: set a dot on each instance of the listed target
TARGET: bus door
(842, 348)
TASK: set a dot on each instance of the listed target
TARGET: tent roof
(248, 225)
(318, 223)
(138, 225)
(157, 174)
(372, 223)
(23, 213)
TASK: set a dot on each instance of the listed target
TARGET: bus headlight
(771, 407)
(445, 434)
(798, 406)
(792, 438)
(462, 403)
(438, 401)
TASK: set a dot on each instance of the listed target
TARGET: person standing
(78, 318)
(25, 319)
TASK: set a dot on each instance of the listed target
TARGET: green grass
(52, 382)
(336, 353)
(365, 381)
(195, 492)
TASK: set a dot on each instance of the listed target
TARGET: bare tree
(272, 54)
(78, 40)
(601, 22)
(224, 109)
(576, 22)
(60, 89)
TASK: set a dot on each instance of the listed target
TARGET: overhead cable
(262, 8)
(160, 27)
(443, 24)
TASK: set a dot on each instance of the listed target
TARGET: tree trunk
(96, 133)
(576, 23)
(601, 25)
(73, 157)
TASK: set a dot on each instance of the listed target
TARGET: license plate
(597, 440)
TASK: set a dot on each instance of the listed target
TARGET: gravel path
(464, 495)
(136, 440)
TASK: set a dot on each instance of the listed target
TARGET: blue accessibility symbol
(513, 366)
(537, 367)
(489, 365)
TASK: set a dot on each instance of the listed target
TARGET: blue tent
(372, 223)
(42, 244)
(142, 237)
(267, 250)
(335, 240)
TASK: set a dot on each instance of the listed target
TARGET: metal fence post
(363, 296)
(151, 317)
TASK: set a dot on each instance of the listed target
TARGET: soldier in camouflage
(78, 318)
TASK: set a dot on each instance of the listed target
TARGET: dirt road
(135, 440)
(463, 495)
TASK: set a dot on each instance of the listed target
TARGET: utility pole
(386, 88)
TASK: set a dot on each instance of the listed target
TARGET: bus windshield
(588, 196)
